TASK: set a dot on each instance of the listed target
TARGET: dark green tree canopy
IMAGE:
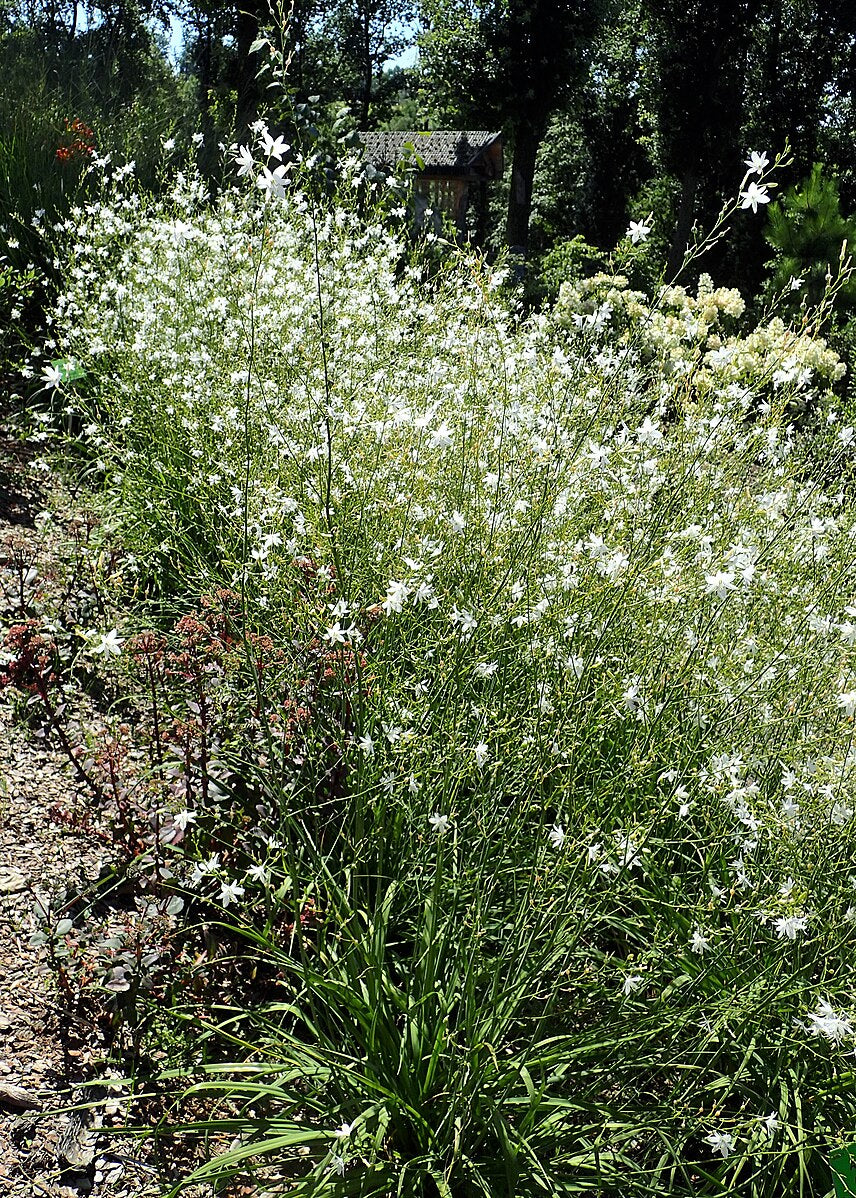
(512, 64)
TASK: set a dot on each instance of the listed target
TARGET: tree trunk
(246, 32)
(683, 225)
(773, 56)
(367, 66)
(207, 155)
(527, 139)
(72, 33)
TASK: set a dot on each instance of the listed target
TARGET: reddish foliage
(80, 143)
(33, 658)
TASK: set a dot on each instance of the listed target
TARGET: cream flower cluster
(696, 336)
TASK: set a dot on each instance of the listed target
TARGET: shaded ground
(45, 1050)
(54, 844)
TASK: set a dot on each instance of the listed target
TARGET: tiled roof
(446, 150)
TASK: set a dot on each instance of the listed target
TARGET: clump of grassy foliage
(540, 795)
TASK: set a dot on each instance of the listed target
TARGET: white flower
(438, 822)
(847, 701)
(699, 942)
(719, 584)
(258, 873)
(203, 868)
(614, 566)
(757, 162)
(770, 1122)
(841, 813)
(274, 147)
(790, 810)
(847, 630)
(486, 669)
(342, 1133)
(337, 1164)
(244, 161)
(169, 144)
(481, 753)
(825, 1022)
(632, 983)
(465, 620)
(638, 231)
(182, 818)
(557, 836)
(424, 593)
(458, 522)
(367, 745)
(273, 182)
(787, 926)
(721, 1142)
(396, 593)
(441, 437)
(108, 643)
(648, 433)
(51, 376)
(230, 892)
(629, 853)
(753, 196)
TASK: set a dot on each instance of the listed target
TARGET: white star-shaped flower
(638, 231)
(244, 161)
(274, 147)
(108, 643)
(52, 376)
(230, 892)
(699, 943)
(757, 162)
(273, 181)
(753, 196)
(481, 753)
(721, 1142)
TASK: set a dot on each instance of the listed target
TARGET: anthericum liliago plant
(551, 879)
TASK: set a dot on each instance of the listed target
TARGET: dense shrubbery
(67, 104)
(521, 764)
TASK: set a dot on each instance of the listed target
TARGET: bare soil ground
(46, 1051)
